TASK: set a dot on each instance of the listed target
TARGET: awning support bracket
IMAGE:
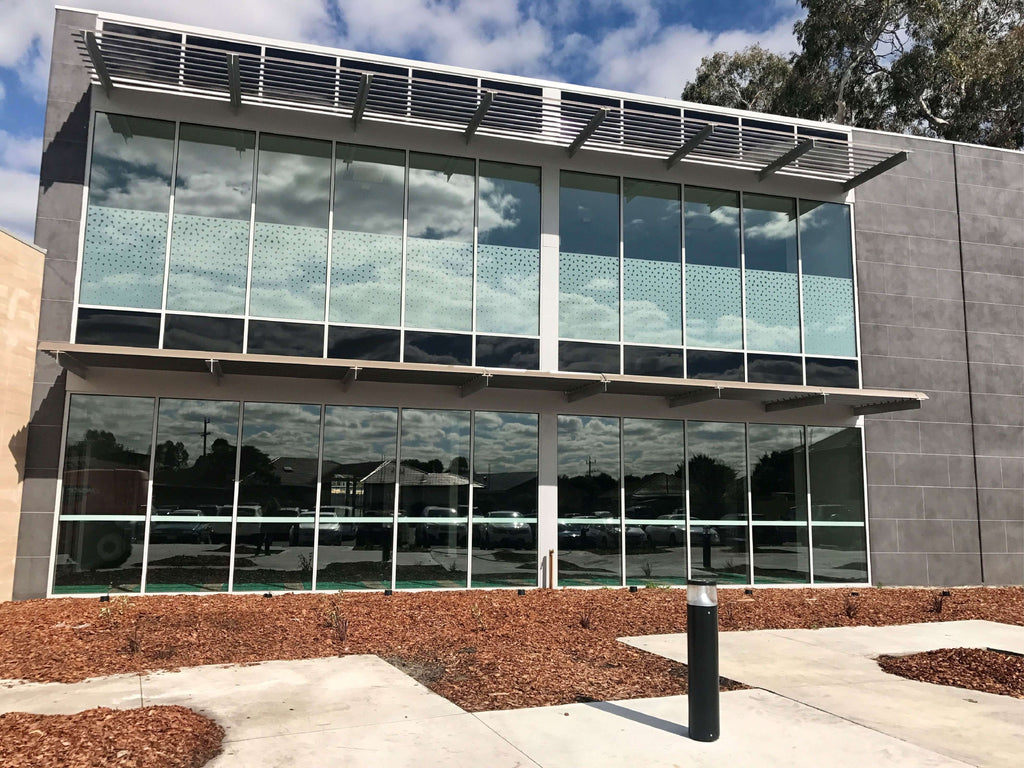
(97, 62)
(802, 148)
(887, 406)
(588, 131)
(365, 80)
(478, 117)
(804, 401)
(700, 396)
(475, 384)
(876, 170)
(587, 390)
(690, 145)
(69, 363)
(213, 366)
(350, 378)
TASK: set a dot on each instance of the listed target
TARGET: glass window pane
(289, 258)
(580, 357)
(439, 248)
(508, 250)
(652, 303)
(772, 286)
(778, 494)
(505, 499)
(126, 222)
(193, 495)
(438, 348)
(652, 361)
(827, 256)
(357, 499)
(840, 553)
(837, 474)
(210, 334)
(366, 245)
(827, 372)
(724, 366)
(714, 284)
(363, 343)
(433, 486)
(103, 494)
(655, 511)
(588, 501)
(277, 483)
(121, 329)
(504, 352)
(210, 231)
(774, 369)
(588, 262)
(292, 339)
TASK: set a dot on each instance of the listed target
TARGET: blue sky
(646, 46)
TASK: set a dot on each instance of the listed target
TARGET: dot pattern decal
(289, 272)
(828, 316)
(714, 297)
(508, 289)
(652, 302)
(439, 284)
(123, 259)
(588, 297)
(773, 311)
(209, 259)
(366, 278)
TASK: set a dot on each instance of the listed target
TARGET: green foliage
(943, 68)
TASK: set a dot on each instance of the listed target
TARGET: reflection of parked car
(438, 532)
(177, 531)
(668, 535)
(509, 528)
(333, 529)
(221, 531)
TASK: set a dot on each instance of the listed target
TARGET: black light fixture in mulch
(521, 592)
(633, 588)
(855, 594)
(388, 593)
(267, 594)
(946, 593)
(748, 591)
(104, 598)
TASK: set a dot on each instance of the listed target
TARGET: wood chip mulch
(149, 737)
(483, 650)
(977, 669)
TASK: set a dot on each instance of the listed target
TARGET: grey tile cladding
(941, 299)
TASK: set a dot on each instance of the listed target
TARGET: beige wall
(21, 279)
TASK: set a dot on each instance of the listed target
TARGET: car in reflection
(248, 529)
(435, 532)
(176, 531)
(333, 528)
(510, 528)
(667, 535)
(570, 536)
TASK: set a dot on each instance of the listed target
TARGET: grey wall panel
(942, 310)
(58, 223)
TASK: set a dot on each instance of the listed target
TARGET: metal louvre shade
(326, 82)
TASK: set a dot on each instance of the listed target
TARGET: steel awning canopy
(340, 83)
(82, 359)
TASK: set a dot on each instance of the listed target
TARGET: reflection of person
(270, 509)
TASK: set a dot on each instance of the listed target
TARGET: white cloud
(18, 192)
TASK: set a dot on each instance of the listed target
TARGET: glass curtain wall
(104, 492)
(837, 504)
(778, 497)
(193, 496)
(504, 499)
(277, 488)
(655, 524)
(357, 499)
(589, 517)
(716, 471)
(433, 499)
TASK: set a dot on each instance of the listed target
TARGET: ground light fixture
(702, 659)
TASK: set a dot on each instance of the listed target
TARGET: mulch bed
(149, 737)
(482, 650)
(977, 669)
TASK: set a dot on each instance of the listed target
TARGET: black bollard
(702, 659)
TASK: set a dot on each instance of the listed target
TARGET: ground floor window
(189, 495)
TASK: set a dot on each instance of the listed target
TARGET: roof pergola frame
(332, 82)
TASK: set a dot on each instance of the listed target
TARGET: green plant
(937, 603)
(647, 569)
(587, 619)
(306, 566)
(336, 621)
(478, 616)
(851, 607)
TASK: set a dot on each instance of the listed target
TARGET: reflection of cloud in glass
(719, 440)
(294, 189)
(214, 172)
(440, 205)
(282, 429)
(129, 419)
(182, 421)
(354, 434)
(428, 435)
(369, 193)
(651, 446)
(767, 438)
(588, 444)
(505, 442)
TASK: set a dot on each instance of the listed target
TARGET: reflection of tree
(434, 465)
(459, 466)
(714, 487)
(255, 467)
(581, 494)
(101, 445)
(171, 455)
(773, 481)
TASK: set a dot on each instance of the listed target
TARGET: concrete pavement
(361, 711)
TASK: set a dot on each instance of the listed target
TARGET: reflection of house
(656, 494)
(507, 491)
(419, 488)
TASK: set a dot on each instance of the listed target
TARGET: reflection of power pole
(590, 466)
(206, 432)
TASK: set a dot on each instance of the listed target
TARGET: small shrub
(478, 616)
(647, 568)
(851, 607)
(937, 603)
(336, 622)
(306, 566)
(587, 619)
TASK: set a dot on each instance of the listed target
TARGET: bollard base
(702, 672)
